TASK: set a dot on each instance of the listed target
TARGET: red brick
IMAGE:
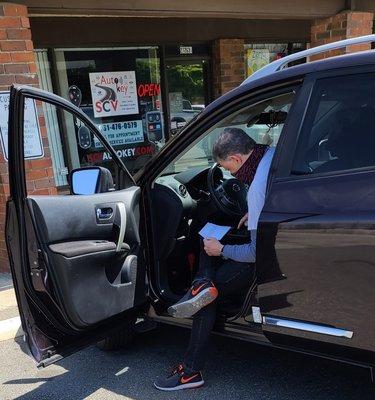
(14, 10)
(3, 168)
(49, 172)
(41, 163)
(16, 68)
(355, 32)
(7, 79)
(361, 16)
(29, 45)
(32, 68)
(20, 34)
(36, 174)
(2, 69)
(5, 188)
(40, 192)
(13, 45)
(22, 56)
(25, 22)
(338, 32)
(5, 57)
(318, 28)
(44, 183)
(10, 22)
(27, 79)
(3, 34)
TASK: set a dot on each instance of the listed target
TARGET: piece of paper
(214, 231)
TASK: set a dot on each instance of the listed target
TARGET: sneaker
(202, 293)
(179, 379)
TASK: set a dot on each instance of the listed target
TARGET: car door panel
(86, 274)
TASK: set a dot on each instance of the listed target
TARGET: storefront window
(119, 89)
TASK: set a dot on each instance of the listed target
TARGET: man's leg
(230, 277)
(202, 291)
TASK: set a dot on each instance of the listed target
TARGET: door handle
(104, 213)
(122, 215)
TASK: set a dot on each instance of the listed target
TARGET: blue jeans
(229, 277)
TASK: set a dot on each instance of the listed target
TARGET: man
(223, 269)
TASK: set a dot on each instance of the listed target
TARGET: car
(108, 259)
(180, 118)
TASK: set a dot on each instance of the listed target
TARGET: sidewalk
(10, 324)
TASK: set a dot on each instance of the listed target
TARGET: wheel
(121, 338)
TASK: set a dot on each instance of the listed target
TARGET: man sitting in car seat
(223, 269)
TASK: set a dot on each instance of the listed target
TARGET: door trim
(308, 327)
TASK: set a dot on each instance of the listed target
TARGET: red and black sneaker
(179, 379)
(202, 293)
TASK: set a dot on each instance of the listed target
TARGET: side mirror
(90, 180)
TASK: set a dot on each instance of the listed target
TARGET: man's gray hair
(232, 141)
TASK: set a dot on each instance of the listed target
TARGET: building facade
(164, 60)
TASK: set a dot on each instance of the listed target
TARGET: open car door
(75, 259)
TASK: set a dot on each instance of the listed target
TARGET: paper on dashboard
(214, 231)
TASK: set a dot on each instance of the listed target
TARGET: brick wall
(17, 65)
(228, 65)
(345, 25)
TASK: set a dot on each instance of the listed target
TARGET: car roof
(343, 61)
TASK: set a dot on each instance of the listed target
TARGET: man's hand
(243, 220)
(212, 247)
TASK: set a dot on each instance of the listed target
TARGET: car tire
(119, 339)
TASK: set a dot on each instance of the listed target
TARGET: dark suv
(94, 266)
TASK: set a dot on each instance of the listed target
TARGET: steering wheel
(229, 195)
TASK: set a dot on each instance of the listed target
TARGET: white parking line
(10, 328)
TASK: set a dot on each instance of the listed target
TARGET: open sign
(149, 89)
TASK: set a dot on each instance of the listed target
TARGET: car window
(43, 123)
(338, 132)
(262, 121)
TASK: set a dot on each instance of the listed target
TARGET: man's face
(232, 163)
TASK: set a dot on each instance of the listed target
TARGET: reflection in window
(338, 132)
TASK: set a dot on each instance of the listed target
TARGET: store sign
(120, 133)
(186, 50)
(149, 89)
(123, 153)
(114, 93)
(33, 145)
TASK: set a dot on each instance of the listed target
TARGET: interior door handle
(104, 213)
(122, 215)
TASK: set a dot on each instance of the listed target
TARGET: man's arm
(242, 252)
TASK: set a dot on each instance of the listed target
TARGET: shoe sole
(190, 307)
(180, 387)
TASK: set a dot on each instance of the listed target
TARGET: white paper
(214, 231)
(32, 138)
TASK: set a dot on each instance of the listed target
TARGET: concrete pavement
(235, 371)
(10, 323)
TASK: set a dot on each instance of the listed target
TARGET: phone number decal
(119, 133)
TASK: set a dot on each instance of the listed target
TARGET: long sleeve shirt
(255, 202)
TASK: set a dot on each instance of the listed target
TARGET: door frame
(17, 212)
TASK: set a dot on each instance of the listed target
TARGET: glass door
(188, 90)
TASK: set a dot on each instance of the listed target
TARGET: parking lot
(236, 370)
